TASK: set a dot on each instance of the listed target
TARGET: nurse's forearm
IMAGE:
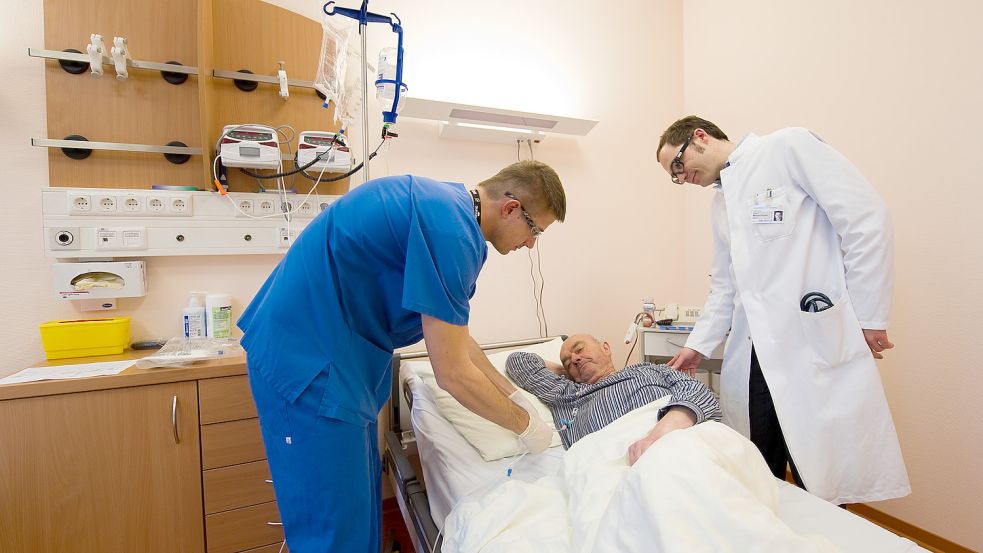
(473, 390)
(480, 360)
(449, 349)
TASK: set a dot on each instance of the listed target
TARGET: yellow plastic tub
(85, 337)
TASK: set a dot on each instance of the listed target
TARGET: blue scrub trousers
(326, 472)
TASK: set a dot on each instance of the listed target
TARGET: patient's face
(585, 359)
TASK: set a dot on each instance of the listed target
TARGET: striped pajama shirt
(591, 407)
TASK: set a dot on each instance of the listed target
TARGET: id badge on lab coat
(768, 208)
(767, 214)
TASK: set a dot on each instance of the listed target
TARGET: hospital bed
(452, 469)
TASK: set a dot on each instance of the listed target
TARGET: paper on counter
(67, 371)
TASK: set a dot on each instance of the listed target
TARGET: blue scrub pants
(326, 472)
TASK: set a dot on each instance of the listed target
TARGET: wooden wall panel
(143, 109)
(264, 35)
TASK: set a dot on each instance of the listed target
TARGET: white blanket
(705, 488)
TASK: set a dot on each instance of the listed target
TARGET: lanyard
(476, 199)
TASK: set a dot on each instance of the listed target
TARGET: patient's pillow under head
(492, 441)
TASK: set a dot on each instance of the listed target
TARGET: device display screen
(248, 151)
(251, 136)
(318, 140)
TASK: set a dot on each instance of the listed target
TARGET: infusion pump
(250, 147)
(335, 155)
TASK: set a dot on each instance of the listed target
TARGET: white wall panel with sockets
(105, 222)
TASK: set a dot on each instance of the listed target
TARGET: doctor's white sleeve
(859, 217)
(718, 312)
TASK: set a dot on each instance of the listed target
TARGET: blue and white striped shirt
(599, 404)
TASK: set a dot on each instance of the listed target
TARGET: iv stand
(365, 17)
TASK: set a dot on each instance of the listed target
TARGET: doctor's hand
(676, 418)
(687, 360)
(877, 342)
(538, 436)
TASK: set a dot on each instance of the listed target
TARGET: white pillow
(492, 441)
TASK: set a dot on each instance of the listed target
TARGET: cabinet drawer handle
(177, 438)
(274, 523)
(268, 481)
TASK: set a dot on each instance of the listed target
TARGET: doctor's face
(586, 359)
(690, 161)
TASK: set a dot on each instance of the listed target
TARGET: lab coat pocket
(834, 335)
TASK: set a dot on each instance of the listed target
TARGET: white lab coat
(835, 237)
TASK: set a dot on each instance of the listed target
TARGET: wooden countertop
(129, 377)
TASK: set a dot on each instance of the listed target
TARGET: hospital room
(387, 275)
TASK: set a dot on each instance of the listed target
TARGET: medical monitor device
(250, 147)
(335, 155)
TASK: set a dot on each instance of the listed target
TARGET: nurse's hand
(687, 360)
(538, 436)
(877, 342)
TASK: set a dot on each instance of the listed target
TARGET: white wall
(552, 57)
(895, 86)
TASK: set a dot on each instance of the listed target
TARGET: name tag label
(767, 215)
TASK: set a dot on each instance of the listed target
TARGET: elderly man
(586, 392)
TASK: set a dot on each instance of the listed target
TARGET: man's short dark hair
(679, 131)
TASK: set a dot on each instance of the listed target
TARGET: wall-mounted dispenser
(97, 284)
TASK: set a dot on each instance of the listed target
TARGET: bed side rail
(412, 494)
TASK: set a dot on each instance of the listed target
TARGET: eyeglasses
(676, 167)
(536, 231)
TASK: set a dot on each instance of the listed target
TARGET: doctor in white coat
(792, 216)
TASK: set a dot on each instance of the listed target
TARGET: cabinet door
(107, 471)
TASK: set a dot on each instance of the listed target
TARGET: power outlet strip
(102, 202)
(100, 222)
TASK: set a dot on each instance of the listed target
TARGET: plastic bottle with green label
(218, 316)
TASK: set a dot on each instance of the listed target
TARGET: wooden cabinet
(102, 471)
(136, 463)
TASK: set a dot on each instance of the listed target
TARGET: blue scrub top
(353, 285)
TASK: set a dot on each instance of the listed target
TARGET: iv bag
(333, 79)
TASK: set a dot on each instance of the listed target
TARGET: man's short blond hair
(536, 185)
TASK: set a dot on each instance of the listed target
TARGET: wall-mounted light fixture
(484, 124)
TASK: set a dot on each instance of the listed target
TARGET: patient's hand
(676, 418)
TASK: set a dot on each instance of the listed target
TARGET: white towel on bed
(705, 488)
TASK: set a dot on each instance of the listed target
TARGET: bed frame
(410, 493)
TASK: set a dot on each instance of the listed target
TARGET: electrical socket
(79, 204)
(64, 238)
(105, 204)
(155, 205)
(131, 204)
(245, 206)
(322, 206)
(287, 207)
(266, 207)
(181, 205)
(306, 209)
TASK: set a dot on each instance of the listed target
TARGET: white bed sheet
(452, 470)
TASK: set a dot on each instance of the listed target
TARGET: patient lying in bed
(586, 392)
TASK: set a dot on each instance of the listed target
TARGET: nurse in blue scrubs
(393, 261)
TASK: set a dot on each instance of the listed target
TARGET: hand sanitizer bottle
(194, 317)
